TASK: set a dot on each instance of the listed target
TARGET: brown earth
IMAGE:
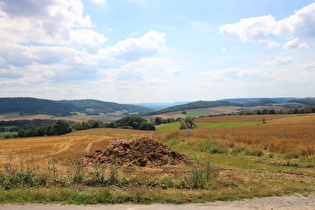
(137, 152)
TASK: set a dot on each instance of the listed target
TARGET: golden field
(281, 133)
(274, 158)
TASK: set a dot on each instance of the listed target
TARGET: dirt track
(296, 202)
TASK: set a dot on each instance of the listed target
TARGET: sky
(157, 51)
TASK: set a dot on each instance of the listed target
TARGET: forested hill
(194, 105)
(31, 106)
(106, 107)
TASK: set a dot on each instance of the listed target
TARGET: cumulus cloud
(140, 70)
(295, 43)
(49, 22)
(234, 74)
(259, 29)
(273, 44)
(135, 48)
(277, 61)
(301, 23)
(256, 29)
(87, 40)
(175, 70)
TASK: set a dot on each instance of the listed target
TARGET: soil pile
(137, 152)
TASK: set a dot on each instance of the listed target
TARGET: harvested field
(275, 158)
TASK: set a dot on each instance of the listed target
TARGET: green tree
(77, 126)
(21, 133)
(133, 122)
(61, 127)
(158, 120)
(187, 122)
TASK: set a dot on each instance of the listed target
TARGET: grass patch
(176, 125)
(198, 114)
(4, 135)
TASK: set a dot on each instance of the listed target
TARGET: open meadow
(235, 157)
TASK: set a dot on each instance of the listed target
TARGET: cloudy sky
(131, 51)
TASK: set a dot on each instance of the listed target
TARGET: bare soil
(137, 152)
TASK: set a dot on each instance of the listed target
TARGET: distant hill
(264, 102)
(281, 103)
(306, 101)
(248, 100)
(105, 107)
(159, 106)
(32, 106)
(193, 105)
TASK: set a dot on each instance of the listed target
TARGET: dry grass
(282, 133)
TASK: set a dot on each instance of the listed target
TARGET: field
(79, 117)
(237, 157)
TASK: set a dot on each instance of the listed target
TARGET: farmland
(246, 159)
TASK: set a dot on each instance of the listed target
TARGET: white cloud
(273, 44)
(277, 61)
(140, 70)
(295, 43)
(308, 67)
(224, 50)
(98, 1)
(136, 48)
(86, 39)
(259, 29)
(175, 70)
(48, 21)
(234, 74)
(301, 23)
(256, 29)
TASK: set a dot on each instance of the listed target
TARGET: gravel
(297, 202)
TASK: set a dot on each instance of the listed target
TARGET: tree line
(62, 126)
(304, 110)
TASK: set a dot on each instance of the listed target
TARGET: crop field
(79, 117)
(236, 157)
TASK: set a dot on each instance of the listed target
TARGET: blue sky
(132, 51)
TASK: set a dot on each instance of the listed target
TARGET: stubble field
(275, 158)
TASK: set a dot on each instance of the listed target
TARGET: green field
(199, 114)
(175, 125)
(3, 134)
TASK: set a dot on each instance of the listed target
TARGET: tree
(158, 120)
(134, 122)
(77, 126)
(21, 133)
(61, 127)
(187, 122)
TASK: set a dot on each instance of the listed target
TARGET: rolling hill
(33, 106)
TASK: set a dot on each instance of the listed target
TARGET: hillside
(247, 100)
(193, 105)
(95, 106)
(204, 108)
(34, 106)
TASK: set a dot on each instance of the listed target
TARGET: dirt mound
(137, 152)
